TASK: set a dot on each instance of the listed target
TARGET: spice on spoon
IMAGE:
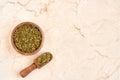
(38, 63)
(44, 59)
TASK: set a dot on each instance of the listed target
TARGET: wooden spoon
(37, 63)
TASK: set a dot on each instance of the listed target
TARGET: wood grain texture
(27, 70)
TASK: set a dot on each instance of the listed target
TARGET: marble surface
(82, 35)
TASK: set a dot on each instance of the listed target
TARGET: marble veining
(82, 35)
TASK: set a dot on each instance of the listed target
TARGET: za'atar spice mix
(27, 38)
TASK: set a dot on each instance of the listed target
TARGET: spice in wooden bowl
(27, 38)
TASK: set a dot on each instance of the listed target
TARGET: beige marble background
(83, 36)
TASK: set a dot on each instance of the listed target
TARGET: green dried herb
(27, 38)
(45, 58)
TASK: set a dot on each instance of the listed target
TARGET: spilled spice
(27, 38)
(45, 58)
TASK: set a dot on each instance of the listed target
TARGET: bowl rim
(28, 53)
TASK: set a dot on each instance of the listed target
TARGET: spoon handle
(27, 70)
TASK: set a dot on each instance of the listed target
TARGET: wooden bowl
(38, 48)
